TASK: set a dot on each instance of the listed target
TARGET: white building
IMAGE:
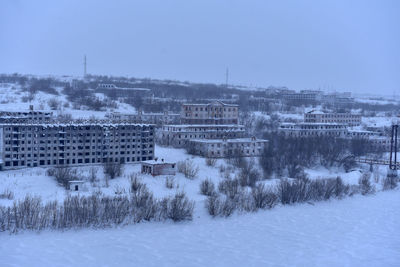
(179, 135)
(216, 112)
(219, 148)
(313, 129)
(30, 115)
(340, 118)
(376, 139)
(158, 167)
(157, 118)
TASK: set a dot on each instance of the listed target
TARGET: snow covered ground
(11, 96)
(357, 231)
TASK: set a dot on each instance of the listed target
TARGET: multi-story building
(25, 116)
(313, 129)
(309, 129)
(218, 148)
(340, 118)
(316, 96)
(32, 145)
(304, 95)
(216, 112)
(179, 135)
(111, 90)
(157, 118)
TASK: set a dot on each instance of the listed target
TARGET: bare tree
(112, 169)
(63, 175)
(188, 168)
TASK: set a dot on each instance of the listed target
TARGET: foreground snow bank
(357, 231)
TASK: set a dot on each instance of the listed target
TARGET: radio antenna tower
(226, 77)
(84, 66)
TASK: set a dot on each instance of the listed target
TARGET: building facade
(157, 118)
(340, 118)
(158, 167)
(375, 139)
(34, 145)
(113, 91)
(216, 112)
(25, 116)
(221, 148)
(313, 129)
(179, 135)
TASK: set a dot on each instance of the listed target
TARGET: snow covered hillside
(357, 231)
(14, 98)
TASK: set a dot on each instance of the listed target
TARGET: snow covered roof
(103, 124)
(208, 104)
(203, 125)
(157, 162)
(235, 140)
(315, 112)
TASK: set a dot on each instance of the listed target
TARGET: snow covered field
(357, 231)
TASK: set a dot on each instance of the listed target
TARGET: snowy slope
(358, 231)
(11, 99)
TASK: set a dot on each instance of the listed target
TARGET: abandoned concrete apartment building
(44, 144)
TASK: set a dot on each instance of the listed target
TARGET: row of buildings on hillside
(317, 96)
(211, 130)
(339, 125)
(157, 118)
(349, 119)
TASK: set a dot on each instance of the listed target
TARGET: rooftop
(157, 162)
(235, 140)
(203, 125)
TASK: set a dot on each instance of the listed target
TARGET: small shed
(158, 167)
(77, 186)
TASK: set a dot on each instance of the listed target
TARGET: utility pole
(392, 172)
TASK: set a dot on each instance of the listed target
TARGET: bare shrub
(144, 203)
(188, 168)
(169, 182)
(92, 211)
(376, 175)
(63, 175)
(390, 182)
(112, 169)
(365, 184)
(248, 176)
(305, 190)
(213, 204)
(211, 161)
(93, 174)
(136, 185)
(263, 197)
(7, 194)
(229, 187)
(180, 208)
(119, 190)
(54, 104)
(222, 168)
(227, 207)
(207, 188)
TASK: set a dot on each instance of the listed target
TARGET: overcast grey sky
(331, 44)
